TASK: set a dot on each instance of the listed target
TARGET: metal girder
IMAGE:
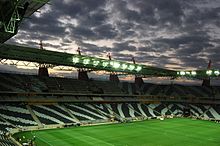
(78, 61)
(12, 13)
(53, 58)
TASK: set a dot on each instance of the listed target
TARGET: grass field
(170, 132)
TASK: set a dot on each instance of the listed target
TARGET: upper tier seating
(33, 83)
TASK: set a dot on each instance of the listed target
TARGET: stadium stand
(6, 141)
(17, 115)
(91, 109)
(32, 83)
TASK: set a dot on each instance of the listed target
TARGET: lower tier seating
(20, 115)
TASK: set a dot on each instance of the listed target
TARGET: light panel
(131, 67)
(115, 64)
(209, 72)
(86, 61)
(216, 73)
(138, 68)
(75, 59)
(193, 73)
(124, 66)
(182, 73)
(104, 64)
(96, 62)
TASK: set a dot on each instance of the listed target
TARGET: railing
(104, 98)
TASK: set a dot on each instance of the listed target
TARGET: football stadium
(104, 101)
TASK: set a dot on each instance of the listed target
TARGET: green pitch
(170, 132)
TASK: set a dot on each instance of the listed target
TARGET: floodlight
(138, 68)
(75, 59)
(86, 61)
(116, 64)
(182, 73)
(209, 72)
(131, 67)
(104, 64)
(187, 73)
(111, 63)
(96, 62)
(216, 73)
(193, 73)
(124, 66)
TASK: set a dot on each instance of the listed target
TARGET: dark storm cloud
(123, 46)
(160, 32)
(48, 24)
(188, 44)
(105, 31)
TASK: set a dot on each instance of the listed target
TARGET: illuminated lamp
(86, 61)
(193, 73)
(209, 72)
(104, 64)
(96, 62)
(75, 60)
(216, 73)
(182, 73)
(124, 66)
(138, 68)
(116, 64)
(131, 67)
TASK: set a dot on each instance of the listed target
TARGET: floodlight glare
(96, 62)
(75, 60)
(116, 64)
(86, 61)
(131, 67)
(178, 73)
(216, 73)
(124, 66)
(187, 73)
(138, 68)
(193, 73)
(104, 64)
(209, 72)
(182, 73)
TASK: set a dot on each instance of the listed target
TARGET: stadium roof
(22, 53)
(12, 13)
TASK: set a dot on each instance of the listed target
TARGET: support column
(206, 82)
(82, 75)
(139, 81)
(43, 71)
(114, 78)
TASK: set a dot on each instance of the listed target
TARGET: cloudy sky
(174, 34)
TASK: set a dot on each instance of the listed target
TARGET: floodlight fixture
(209, 72)
(116, 64)
(124, 66)
(182, 73)
(216, 73)
(96, 62)
(138, 68)
(86, 61)
(75, 59)
(193, 73)
(131, 67)
(104, 64)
